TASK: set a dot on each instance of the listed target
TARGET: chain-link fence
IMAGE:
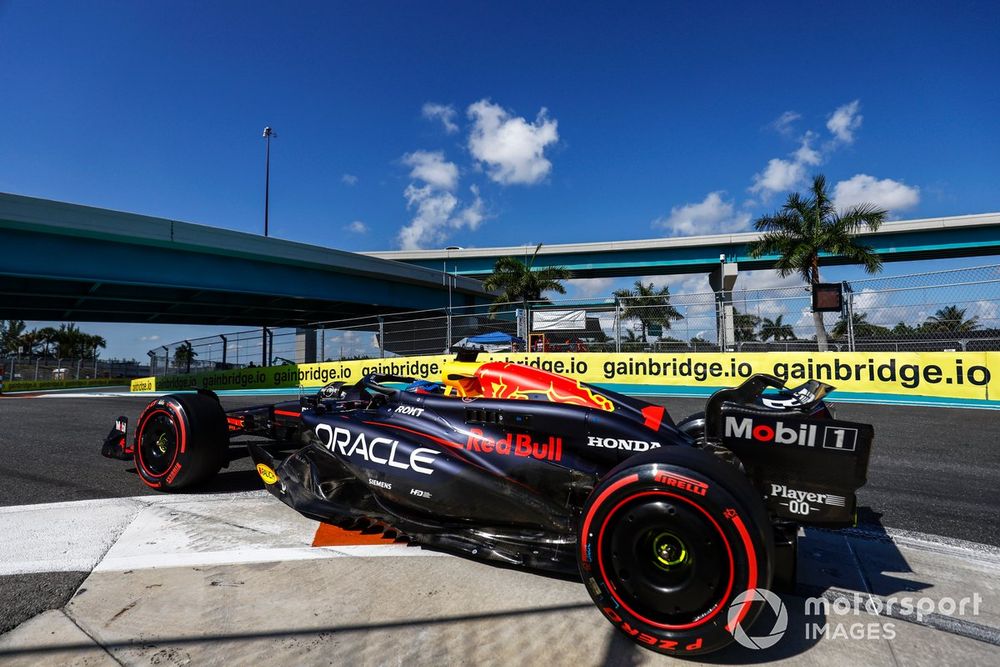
(39, 368)
(956, 309)
(940, 310)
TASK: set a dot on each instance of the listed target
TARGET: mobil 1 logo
(840, 437)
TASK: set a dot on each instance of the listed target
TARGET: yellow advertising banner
(960, 375)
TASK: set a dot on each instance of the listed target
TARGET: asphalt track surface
(933, 470)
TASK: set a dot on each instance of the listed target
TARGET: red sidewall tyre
(667, 541)
(180, 440)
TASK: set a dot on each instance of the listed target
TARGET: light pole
(268, 133)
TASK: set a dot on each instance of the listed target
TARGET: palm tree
(776, 329)
(517, 281)
(862, 327)
(630, 342)
(744, 325)
(69, 340)
(49, 337)
(31, 340)
(951, 319)
(807, 226)
(184, 354)
(92, 343)
(648, 305)
(10, 336)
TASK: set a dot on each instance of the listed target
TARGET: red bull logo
(513, 381)
(520, 444)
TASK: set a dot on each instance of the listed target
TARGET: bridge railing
(953, 309)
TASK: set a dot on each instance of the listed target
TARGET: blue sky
(431, 124)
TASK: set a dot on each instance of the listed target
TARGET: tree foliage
(744, 326)
(520, 282)
(776, 329)
(809, 226)
(184, 354)
(66, 342)
(951, 319)
(862, 327)
(648, 305)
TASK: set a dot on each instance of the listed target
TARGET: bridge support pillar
(305, 346)
(722, 280)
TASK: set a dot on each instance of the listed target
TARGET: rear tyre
(180, 440)
(669, 539)
(693, 425)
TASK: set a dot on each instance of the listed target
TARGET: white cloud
(806, 154)
(783, 174)
(712, 215)
(868, 298)
(349, 180)
(767, 279)
(472, 215)
(433, 210)
(431, 167)
(437, 212)
(987, 311)
(512, 148)
(442, 112)
(587, 288)
(844, 121)
(695, 284)
(779, 175)
(357, 227)
(886, 193)
(148, 338)
(783, 123)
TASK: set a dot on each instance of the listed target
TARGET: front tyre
(180, 440)
(668, 540)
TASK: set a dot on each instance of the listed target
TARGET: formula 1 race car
(668, 524)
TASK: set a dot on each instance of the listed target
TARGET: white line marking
(252, 555)
(140, 532)
(948, 546)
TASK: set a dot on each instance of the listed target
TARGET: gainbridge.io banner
(971, 376)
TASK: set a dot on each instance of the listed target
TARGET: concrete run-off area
(236, 579)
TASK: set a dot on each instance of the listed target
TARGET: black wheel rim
(666, 559)
(158, 445)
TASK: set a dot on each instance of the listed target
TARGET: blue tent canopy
(494, 338)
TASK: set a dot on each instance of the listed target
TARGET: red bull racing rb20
(666, 523)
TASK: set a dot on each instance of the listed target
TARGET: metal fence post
(448, 328)
(723, 326)
(381, 337)
(618, 324)
(849, 303)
